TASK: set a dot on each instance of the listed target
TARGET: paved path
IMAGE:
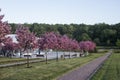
(86, 71)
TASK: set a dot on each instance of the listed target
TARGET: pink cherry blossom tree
(65, 40)
(58, 45)
(87, 46)
(64, 44)
(70, 46)
(47, 41)
(25, 39)
(75, 45)
(4, 30)
(53, 41)
(10, 46)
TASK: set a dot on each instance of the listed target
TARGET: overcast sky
(61, 11)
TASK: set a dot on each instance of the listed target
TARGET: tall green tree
(118, 43)
(85, 37)
(103, 34)
(107, 36)
(97, 41)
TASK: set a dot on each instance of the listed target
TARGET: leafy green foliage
(118, 43)
(103, 34)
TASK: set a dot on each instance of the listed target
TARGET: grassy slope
(110, 70)
(5, 60)
(42, 71)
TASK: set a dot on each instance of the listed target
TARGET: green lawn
(5, 60)
(110, 70)
(42, 71)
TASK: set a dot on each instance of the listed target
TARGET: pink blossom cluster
(25, 38)
(10, 45)
(4, 30)
(56, 41)
(87, 45)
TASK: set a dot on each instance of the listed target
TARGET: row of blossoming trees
(50, 40)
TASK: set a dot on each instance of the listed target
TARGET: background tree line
(102, 34)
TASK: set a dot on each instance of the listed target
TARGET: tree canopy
(103, 34)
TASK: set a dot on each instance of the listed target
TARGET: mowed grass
(2, 59)
(6, 60)
(110, 70)
(42, 71)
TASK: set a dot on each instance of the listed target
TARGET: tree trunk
(57, 57)
(39, 50)
(46, 57)
(69, 55)
(64, 55)
(28, 60)
(20, 53)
